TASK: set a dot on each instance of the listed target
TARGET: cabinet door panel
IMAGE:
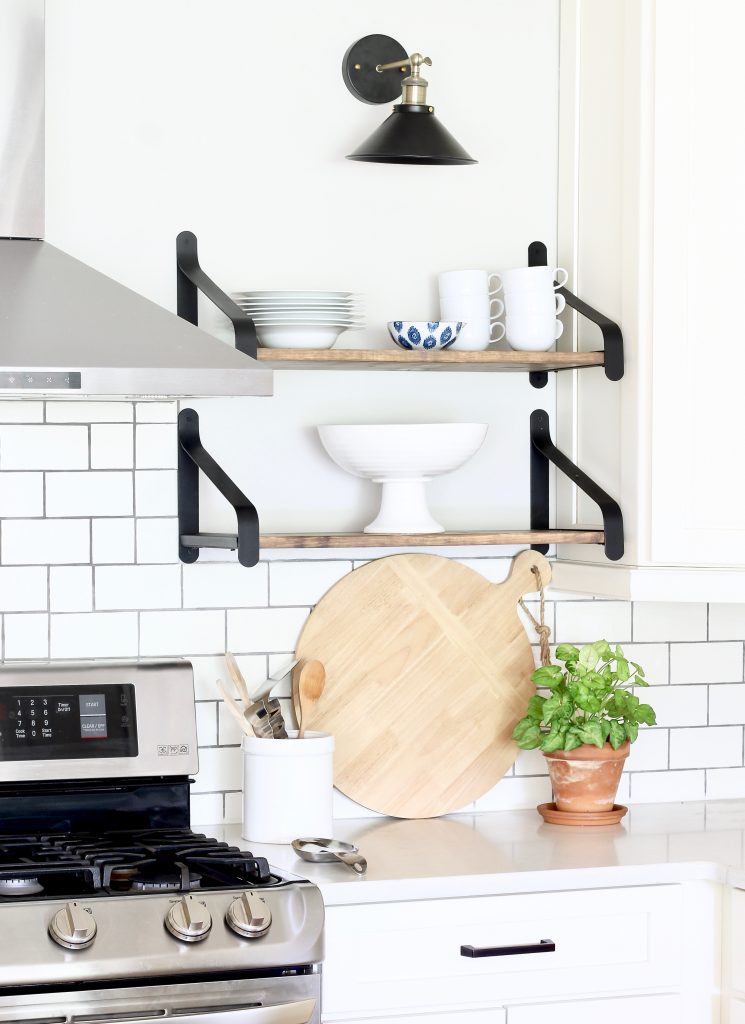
(407, 956)
(640, 1010)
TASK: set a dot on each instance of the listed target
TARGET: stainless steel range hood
(67, 330)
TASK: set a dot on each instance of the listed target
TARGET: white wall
(232, 119)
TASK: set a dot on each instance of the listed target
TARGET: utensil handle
(234, 709)
(237, 676)
(544, 946)
(353, 860)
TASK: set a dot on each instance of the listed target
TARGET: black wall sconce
(373, 70)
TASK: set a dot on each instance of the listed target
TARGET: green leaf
(573, 738)
(554, 740)
(595, 681)
(567, 652)
(588, 656)
(638, 668)
(592, 732)
(603, 649)
(617, 735)
(622, 669)
(645, 713)
(549, 676)
(639, 681)
(535, 708)
(632, 731)
(526, 734)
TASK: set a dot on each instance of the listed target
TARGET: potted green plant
(586, 724)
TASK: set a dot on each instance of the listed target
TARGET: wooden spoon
(308, 681)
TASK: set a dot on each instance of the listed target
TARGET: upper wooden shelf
(398, 359)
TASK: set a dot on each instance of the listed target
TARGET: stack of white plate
(300, 319)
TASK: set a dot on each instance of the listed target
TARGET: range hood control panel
(42, 380)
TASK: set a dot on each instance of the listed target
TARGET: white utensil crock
(288, 787)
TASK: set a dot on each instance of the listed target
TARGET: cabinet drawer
(407, 956)
(494, 1015)
(640, 1010)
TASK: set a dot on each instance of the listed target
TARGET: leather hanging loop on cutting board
(427, 671)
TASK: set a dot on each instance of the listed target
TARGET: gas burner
(20, 887)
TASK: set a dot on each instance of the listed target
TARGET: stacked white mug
(532, 306)
(467, 295)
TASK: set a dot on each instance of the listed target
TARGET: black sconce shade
(412, 135)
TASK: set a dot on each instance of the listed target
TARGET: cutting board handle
(521, 579)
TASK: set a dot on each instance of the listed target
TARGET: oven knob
(73, 927)
(249, 916)
(189, 920)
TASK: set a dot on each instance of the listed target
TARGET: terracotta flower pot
(586, 778)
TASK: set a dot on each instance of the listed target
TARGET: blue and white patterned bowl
(426, 335)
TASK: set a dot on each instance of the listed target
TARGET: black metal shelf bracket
(191, 279)
(611, 332)
(192, 456)
(542, 452)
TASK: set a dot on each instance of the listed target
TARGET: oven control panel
(98, 719)
(68, 721)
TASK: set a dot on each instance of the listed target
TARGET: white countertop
(515, 851)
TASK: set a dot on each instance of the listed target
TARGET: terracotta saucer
(552, 814)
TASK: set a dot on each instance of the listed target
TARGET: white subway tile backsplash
(303, 583)
(22, 411)
(94, 635)
(727, 621)
(664, 787)
(706, 663)
(677, 705)
(156, 446)
(45, 541)
(725, 783)
(156, 412)
(56, 604)
(209, 669)
(711, 747)
(89, 412)
(23, 589)
(220, 769)
(112, 446)
(265, 629)
(43, 447)
(727, 704)
(21, 494)
(93, 493)
(138, 586)
(206, 809)
(579, 622)
(649, 752)
(157, 540)
(207, 723)
(182, 633)
(71, 588)
(155, 492)
(227, 585)
(26, 636)
(113, 541)
(655, 620)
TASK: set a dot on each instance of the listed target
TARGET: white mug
(464, 282)
(478, 335)
(522, 303)
(532, 333)
(522, 278)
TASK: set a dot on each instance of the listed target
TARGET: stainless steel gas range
(111, 909)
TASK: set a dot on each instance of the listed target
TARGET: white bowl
(402, 457)
(299, 335)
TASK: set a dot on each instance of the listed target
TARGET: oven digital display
(64, 723)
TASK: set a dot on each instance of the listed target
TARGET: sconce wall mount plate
(359, 69)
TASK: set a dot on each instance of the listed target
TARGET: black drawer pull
(544, 946)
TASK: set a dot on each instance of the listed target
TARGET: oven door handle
(298, 1012)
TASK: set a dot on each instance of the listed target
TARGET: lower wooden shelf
(440, 359)
(464, 538)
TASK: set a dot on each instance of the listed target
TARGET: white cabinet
(651, 227)
(641, 1010)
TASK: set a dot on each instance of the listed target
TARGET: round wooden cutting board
(427, 671)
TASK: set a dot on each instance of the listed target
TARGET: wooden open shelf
(399, 540)
(398, 359)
